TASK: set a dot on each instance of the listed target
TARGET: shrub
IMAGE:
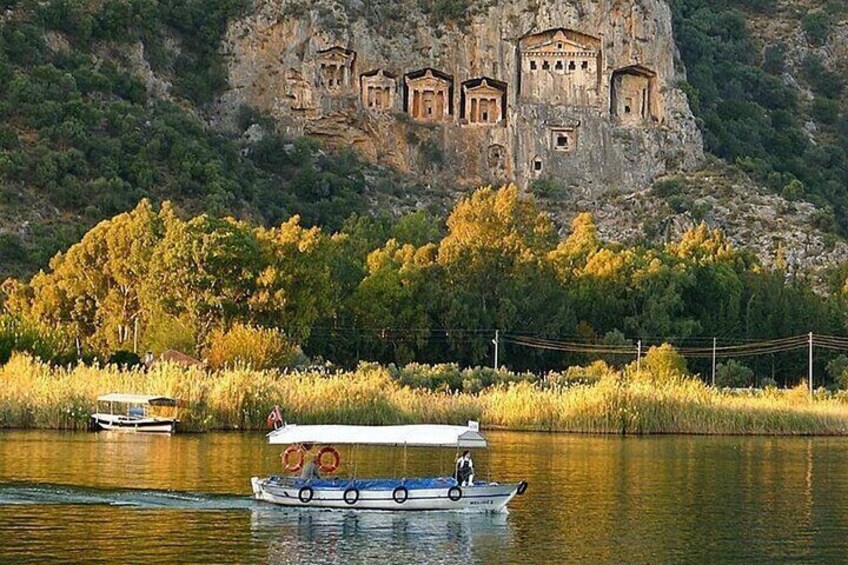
(825, 110)
(816, 26)
(774, 59)
(479, 378)
(258, 348)
(11, 247)
(733, 374)
(668, 187)
(837, 369)
(432, 152)
(617, 338)
(823, 81)
(449, 377)
(663, 365)
(23, 336)
(794, 190)
(447, 11)
(545, 187)
(577, 375)
(126, 359)
(445, 376)
(768, 382)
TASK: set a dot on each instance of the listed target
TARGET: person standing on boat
(465, 469)
(310, 468)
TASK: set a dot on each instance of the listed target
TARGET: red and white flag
(274, 418)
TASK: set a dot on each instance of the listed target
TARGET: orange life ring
(332, 465)
(297, 464)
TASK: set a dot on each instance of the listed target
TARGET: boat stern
(256, 485)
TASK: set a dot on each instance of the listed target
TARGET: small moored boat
(427, 493)
(132, 412)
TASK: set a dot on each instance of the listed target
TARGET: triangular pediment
(484, 85)
(560, 39)
(485, 90)
(561, 45)
(336, 54)
(428, 75)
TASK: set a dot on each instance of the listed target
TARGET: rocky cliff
(581, 91)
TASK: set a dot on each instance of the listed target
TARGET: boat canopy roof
(422, 435)
(137, 399)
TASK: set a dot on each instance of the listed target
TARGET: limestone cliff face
(583, 92)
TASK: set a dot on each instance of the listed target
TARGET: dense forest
(414, 290)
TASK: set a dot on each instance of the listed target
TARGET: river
(119, 498)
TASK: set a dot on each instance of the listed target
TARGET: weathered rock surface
(778, 231)
(581, 91)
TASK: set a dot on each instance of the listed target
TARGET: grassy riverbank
(37, 395)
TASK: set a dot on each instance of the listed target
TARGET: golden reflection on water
(595, 499)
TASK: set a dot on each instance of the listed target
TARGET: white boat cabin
(134, 412)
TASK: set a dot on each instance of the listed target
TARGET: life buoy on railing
(297, 464)
(455, 494)
(333, 464)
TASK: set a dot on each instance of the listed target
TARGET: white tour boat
(131, 412)
(434, 493)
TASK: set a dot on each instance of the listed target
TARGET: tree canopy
(154, 277)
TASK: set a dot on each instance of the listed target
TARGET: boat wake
(55, 494)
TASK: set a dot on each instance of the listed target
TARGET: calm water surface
(125, 498)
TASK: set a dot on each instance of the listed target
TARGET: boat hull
(111, 422)
(480, 497)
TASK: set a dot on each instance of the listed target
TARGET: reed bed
(37, 395)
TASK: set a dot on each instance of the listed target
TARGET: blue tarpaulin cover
(369, 484)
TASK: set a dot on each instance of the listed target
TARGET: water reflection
(299, 536)
(591, 499)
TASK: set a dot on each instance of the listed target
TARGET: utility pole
(638, 355)
(811, 364)
(495, 342)
(714, 360)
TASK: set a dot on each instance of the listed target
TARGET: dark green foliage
(749, 115)
(418, 228)
(19, 335)
(447, 11)
(125, 358)
(198, 70)
(734, 374)
(546, 187)
(816, 26)
(668, 187)
(449, 377)
(11, 248)
(432, 152)
(837, 368)
(774, 59)
(825, 110)
(823, 81)
(82, 136)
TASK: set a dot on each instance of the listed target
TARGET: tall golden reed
(36, 395)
